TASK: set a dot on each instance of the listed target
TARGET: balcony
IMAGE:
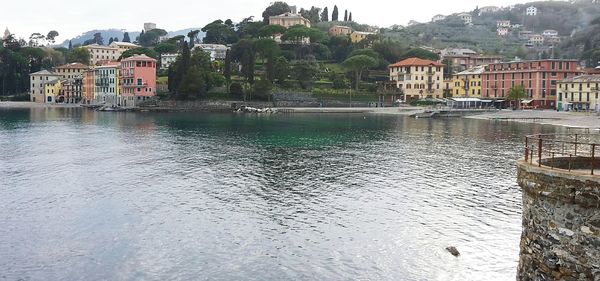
(143, 85)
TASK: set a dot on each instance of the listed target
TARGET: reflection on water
(189, 196)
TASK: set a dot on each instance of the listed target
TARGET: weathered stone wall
(561, 225)
(209, 105)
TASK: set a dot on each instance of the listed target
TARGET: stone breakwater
(561, 225)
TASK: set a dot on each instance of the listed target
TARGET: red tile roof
(416, 62)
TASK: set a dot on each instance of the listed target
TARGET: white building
(38, 81)
(550, 33)
(531, 11)
(438, 18)
(107, 83)
(502, 31)
(467, 18)
(216, 51)
(503, 23)
(167, 60)
(6, 34)
(488, 10)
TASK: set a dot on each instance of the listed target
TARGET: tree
(80, 55)
(193, 36)
(98, 38)
(70, 45)
(281, 70)
(306, 72)
(275, 9)
(151, 38)
(35, 38)
(350, 17)
(140, 51)
(227, 69)
(341, 47)
(266, 47)
(165, 47)
(358, 64)
(345, 15)
(218, 32)
(262, 89)
(517, 93)
(271, 30)
(244, 53)
(420, 53)
(325, 15)
(110, 41)
(126, 37)
(51, 37)
(248, 28)
(334, 14)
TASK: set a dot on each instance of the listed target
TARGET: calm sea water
(192, 196)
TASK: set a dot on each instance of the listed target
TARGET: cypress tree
(70, 45)
(345, 15)
(325, 14)
(350, 17)
(126, 37)
(227, 69)
(334, 14)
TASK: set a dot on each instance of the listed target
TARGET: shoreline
(582, 120)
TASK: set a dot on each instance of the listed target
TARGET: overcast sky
(73, 17)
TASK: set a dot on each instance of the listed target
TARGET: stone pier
(561, 220)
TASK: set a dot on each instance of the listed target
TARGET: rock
(453, 251)
(566, 232)
(586, 230)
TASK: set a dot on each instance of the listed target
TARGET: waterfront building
(340, 30)
(579, 93)
(418, 78)
(106, 80)
(288, 20)
(71, 70)
(52, 90)
(38, 82)
(167, 60)
(89, 86)
(102, 54)
(438, 18)
(531, 11)
(467, 84)
(448, 87)
(122, 47)
(138, 80)
(71, 90)
(538, 77)
(216, 51)
(358, 36)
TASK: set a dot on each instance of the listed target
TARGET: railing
(574, 152)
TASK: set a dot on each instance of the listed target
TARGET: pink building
(138, 80)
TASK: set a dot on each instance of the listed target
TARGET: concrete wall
(561, 225)
(210, 105)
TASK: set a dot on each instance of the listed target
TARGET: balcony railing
(575, 153)
(143, 85)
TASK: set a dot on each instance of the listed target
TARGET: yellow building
(418, 78)
(122, 47)
(467, 84)
(288, 20)
(579, 93)
(358, 36)
(52, 90)
(340, 30)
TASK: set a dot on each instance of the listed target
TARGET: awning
(466, 99)
(526, 101)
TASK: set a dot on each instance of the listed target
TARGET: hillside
(111, 33)
(567, 18)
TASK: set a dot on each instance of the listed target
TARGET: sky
(73, 17)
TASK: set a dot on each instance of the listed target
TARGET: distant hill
(567, 18)
(111, 33)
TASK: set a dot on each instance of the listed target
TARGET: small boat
(426, 114)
